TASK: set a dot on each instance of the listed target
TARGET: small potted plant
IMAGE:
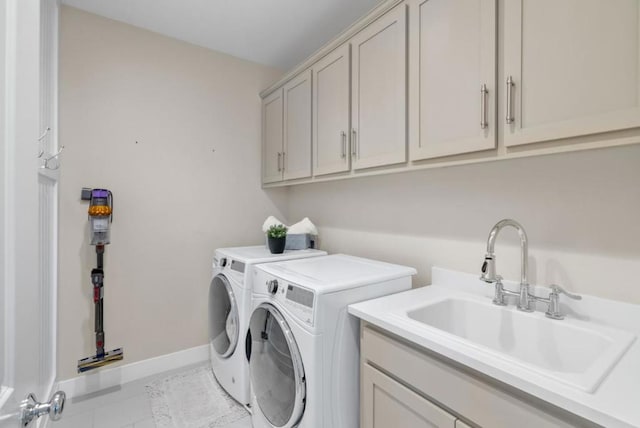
(277, 238)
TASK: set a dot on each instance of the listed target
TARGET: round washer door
(223, 316)
(275, 367)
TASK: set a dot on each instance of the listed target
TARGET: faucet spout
(489, 275)
(524, 245)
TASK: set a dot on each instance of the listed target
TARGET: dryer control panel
(231, 268)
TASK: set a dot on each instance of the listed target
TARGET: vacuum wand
(97, 279)
(100, 215)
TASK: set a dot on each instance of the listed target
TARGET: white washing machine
(229, 311)
(304, 355)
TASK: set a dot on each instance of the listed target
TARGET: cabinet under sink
(414, 388)
(448, 345)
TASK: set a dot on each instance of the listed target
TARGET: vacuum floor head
(94, 362)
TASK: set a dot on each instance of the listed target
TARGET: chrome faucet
(525, 300)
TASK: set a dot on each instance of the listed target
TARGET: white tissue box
(300, 241)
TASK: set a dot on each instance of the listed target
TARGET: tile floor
(124, 406)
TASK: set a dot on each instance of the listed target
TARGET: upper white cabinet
(286, 131)
(452, 77)
(272, 137)
(573, 66)
(362, 83)
(331, 112)
(296, 155)
(379, 91)
(464, 80)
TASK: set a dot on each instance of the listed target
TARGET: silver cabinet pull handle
(343, 136)
(283, 161)
(510, 85)
(279, 155)
(483, 106)
(354, 150)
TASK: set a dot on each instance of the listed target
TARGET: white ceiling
(279, 33)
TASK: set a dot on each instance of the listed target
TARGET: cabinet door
(574, 67)
(460, 424)
(272, 137)
(331, 112)
(379, 91)
(387, 403)
(452, 77)
(297, 127)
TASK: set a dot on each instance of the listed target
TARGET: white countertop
(615, 403)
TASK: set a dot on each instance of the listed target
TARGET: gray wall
(176, 200)
(581, 211)
(120, 84)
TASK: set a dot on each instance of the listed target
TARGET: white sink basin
(576, 353)
(587, 364)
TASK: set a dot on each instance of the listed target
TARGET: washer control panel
(272, 286)
(298, 300)
(300, 295)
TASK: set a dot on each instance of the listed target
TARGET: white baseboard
(104, 378)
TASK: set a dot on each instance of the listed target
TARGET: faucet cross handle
(556, 289)
(499, 297)
(553, 311)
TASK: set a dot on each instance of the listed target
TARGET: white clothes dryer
(229, 311)
(304, 355)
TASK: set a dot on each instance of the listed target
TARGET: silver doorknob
(31, 409)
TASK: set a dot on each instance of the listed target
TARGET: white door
(28, 203)
(379, 92)
(574, 67)
(297, 127)
(452, 77)
(331, 112)
(272, 137)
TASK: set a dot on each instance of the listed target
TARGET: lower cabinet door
(387, 403)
